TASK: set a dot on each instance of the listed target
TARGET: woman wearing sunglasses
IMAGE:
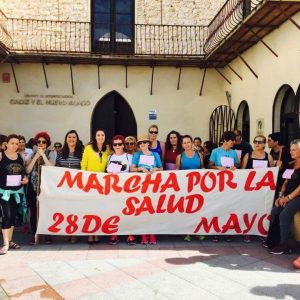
(70, 156)
(258, 158)
(39, 158)
(156, 145)
(130, 144)
(119, 162)
(146, 161)
(12, 179)
(94, 159)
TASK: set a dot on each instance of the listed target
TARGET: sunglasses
(153, 132)
(129, 144)
(41, 142)
(258, 142)
(143, 142)
(117, 144)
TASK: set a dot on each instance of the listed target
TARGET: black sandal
(13, 245)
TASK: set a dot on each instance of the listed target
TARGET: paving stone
(172, 269)
(56, 272)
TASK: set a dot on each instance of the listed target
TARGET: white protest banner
(205, 202)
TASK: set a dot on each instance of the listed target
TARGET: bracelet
(289, 197)
(280, 194)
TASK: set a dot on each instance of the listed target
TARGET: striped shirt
(71, 161)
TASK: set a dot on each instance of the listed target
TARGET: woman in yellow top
(96, 153)
(94, 159)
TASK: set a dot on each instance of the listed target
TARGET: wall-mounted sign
(260, 126)
(152, 114)
(52, 100)
(6, 77)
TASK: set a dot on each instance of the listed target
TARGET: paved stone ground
(172, 269)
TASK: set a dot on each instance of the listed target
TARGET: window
(113, 26)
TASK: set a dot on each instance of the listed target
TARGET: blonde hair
(261, 136)
(153, 126)
(130, 139)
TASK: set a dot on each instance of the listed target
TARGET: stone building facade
(184, 12)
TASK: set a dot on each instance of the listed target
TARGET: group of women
(146, 154)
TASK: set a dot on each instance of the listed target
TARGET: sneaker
(74, 240)
(32, 241)
(187, 238)
(48, 240)
(265, 245)
(296, 263)
(228, 238)
(247, 239)
(152, 240)
(201, 237)
(131, 240)
(114, 240)
(144, 240)
(215, 239)
(281, 249)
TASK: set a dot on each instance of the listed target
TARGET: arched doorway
(113, 114)
(243, 120)
(222, 119)
(286, 113)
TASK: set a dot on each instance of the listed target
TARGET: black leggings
(32, 201)
(8, 211)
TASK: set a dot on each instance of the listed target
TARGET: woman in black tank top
(12, 179)
(258, 158)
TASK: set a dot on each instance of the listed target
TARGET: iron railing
(227, 19)
(5, 37)
(145, 39)
(82, 37)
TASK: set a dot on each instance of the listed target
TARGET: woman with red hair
(39, 158)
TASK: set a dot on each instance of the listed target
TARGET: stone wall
(179, 12)
(63, 10)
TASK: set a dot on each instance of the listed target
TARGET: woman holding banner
(173, 149)
(222, 158)
(119, 162)
(71, 154)
(258, 158)
(156, 145)
(70, 157)
(130, 144)
(189, 159)
(146, 161)
(286, 206)
(94, 159)
(12, 179)
(40, 157)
